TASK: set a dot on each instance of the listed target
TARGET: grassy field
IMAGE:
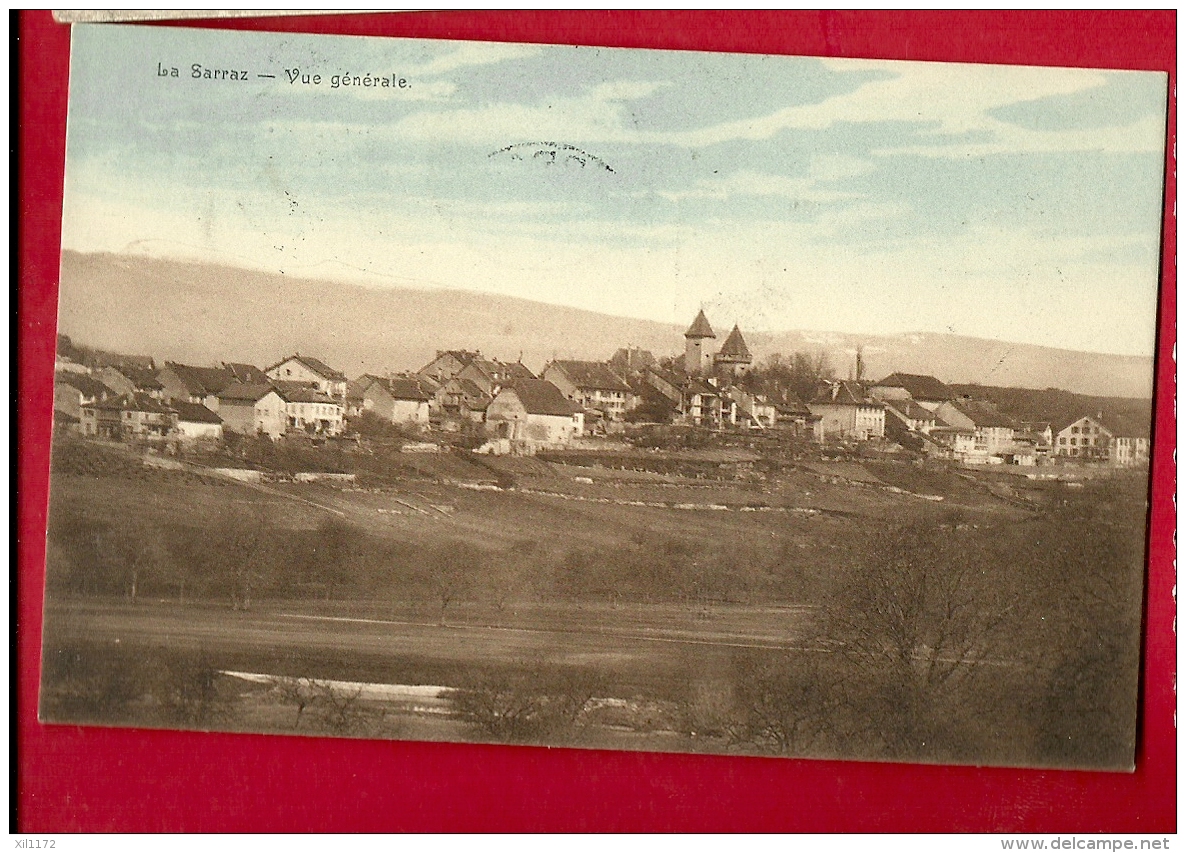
(729, 608)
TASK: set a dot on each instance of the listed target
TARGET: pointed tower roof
(700, 327)
(734, 348)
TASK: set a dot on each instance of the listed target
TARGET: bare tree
(241, 539)
(447, 572)
(916, 623)
(301, 692)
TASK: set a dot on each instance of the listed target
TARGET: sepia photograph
(603, 398)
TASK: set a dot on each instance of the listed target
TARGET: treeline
(242, 558)
(784, 378)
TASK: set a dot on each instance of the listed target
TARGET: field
(720, 601)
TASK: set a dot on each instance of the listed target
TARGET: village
(505, 408)
(627, 553)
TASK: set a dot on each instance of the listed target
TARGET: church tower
(697, 351)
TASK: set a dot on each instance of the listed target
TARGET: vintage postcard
(646, 400)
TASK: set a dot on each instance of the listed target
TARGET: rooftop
(540, 397)
(591, 374)
(917, 385)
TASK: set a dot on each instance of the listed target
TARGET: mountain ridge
(204, 313)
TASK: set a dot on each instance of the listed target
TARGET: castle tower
(734, 358)
(697, 350)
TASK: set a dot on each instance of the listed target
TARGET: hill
(1057, 406)
(202, 313)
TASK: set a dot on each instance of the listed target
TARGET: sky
(780, 193)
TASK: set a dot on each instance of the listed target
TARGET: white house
(845, 412)
(532, 414)
(310, 371)
(592, 384)
(193, 422)
(253, 408)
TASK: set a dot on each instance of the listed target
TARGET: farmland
(639, 600)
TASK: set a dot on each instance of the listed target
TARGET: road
(630, 638)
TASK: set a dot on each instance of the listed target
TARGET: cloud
(949, 104)
(467, 55)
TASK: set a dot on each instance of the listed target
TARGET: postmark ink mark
(551, 154)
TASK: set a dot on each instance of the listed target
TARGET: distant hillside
(1052, 404)
(203, 313)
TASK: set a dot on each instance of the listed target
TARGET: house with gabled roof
(753, 410)
(72, 391)
(491, 375)
(310, 371)
(191, 384)
(131, 379)
(193, 422)
(127, 417)
(310, 410)
(592, 385)
(458, 401)
(632, 361)
(532, 414)
(254, 408)
(398, 399)
(923, 389)
(1129, 444)
(845, 411)
(994, 431)
(447, 364)
(910, 415)
(243, 372)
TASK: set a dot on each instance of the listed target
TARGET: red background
(89, 779)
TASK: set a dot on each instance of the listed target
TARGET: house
(102, 419)
(447, 364)
(632, 361)
(458, 401)
(923, 389)
(1129, 446)
(796, 417)
(532, 414)
(248, 374)
(753, 409)
(253, 409)
(310, 410)
(1038, 433)
(131, 379)
(592, 385)
(910, 415)
(1084, 438)
(193, 422)
(950, 442)
(126, 418)
(666, 382)
(72, 391)
(846, 412)
(706, 405)
(491, 375)
(310, 371)
(397, 399)
(699, 401)
(190, 384)
(994, 431)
